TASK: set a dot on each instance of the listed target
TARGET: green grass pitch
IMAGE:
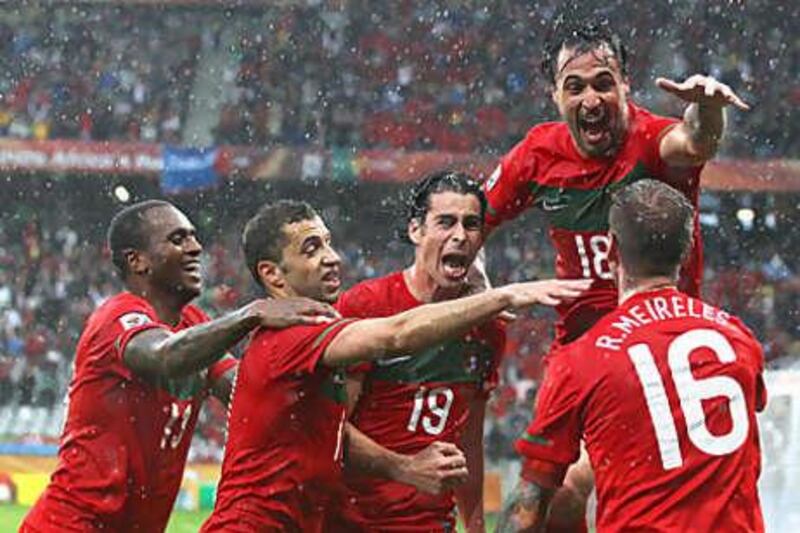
(180, 522)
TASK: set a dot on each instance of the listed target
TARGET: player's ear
(138, 262)
(270, 274)
(414, 231)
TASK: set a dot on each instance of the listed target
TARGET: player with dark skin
(143, 365)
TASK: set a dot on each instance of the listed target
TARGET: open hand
(703, 90)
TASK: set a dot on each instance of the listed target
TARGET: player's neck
(425, 289)
(168, 307)
(631, 287)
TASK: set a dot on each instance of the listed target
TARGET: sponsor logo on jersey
(132, 320)
(547, 205)
(393, 360)
(494, 178)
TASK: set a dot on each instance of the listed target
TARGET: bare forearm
(426, 325)
(705, 126)
(368, 457)
(156, 353)
(526, 509)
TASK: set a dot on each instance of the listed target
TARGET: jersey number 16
(691, 393)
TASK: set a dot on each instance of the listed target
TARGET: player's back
(668, 388)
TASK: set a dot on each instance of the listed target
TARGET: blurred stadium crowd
(455, 76)
(54, 271)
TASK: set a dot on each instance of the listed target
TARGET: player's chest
(577, 197)
(466, 360)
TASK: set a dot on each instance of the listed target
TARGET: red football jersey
(545, 170)
(285, 432)
(124, 444)
(409, 402)
(664, 391)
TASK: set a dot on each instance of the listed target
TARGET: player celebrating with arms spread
(571, 168)
(409, 403)
(144, 364)
(287, 418)
(664, 390)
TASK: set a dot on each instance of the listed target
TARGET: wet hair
(652, 225)
(263, 237)
(584, 32)
(418, 200)
(128, 231)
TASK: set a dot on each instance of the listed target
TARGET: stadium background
(222, 106)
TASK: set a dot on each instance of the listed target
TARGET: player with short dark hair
(604, 141)
(404, 406)
(664, 390)
(145, 361)
(287, 418)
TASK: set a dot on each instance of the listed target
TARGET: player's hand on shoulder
(545, 292)
(285, 312)
(439, 467)
(703, 89)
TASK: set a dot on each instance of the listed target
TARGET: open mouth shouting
(455, 265)
(595, 129)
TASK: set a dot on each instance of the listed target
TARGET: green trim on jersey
(333, 386)
(457, 361)
(582, 209)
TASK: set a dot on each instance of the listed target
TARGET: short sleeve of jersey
(554, 434)
(130, 320)
(296, 349)
(507, 189)
(649, 131)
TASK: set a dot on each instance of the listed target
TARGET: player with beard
(145, 361)
(287, 418)
(404, 405)
(664, 390)
(571, 168)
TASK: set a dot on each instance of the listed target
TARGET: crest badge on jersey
(132, 320)
(494, 178)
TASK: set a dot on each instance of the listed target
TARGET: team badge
(132, 320)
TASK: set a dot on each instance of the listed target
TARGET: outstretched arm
(526, 509)
(696, 139)
(159, 353)
(411, 331)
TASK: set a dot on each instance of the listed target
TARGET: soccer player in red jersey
(407, 404)
(287, 418)
(144, 363)
(664, 390)
(571, 168)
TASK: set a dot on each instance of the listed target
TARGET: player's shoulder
(366, 295)
(129, 309)
(546, 135)
(643, 120)
(192, 314)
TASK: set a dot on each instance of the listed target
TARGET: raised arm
(158, 353)
(411, 331)
(696, 139)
